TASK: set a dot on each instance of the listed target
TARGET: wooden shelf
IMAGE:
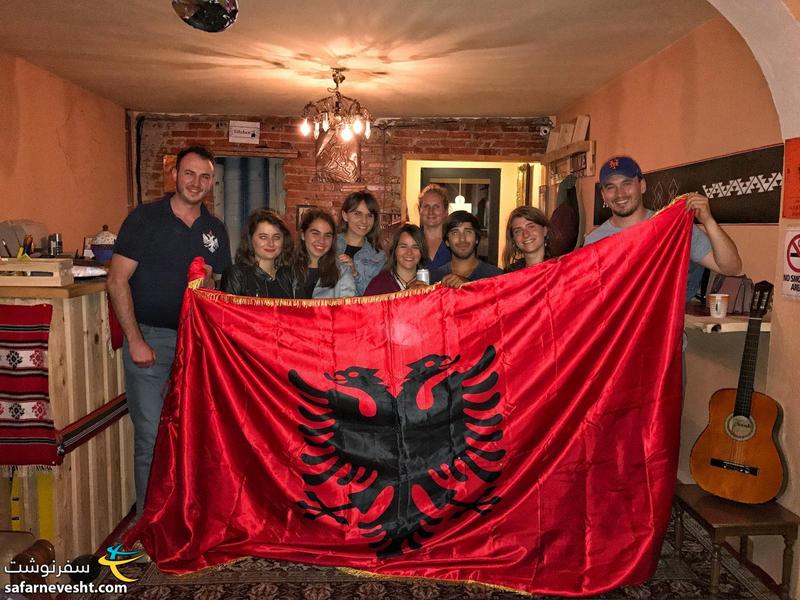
(584, 147)
(729, 324)
(68, 291)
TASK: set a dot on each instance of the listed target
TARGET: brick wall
(381, 155)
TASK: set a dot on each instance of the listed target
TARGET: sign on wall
(791, 180)
(244, 132)
(743, 187)
(791, 263)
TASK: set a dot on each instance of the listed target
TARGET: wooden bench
(723, 519)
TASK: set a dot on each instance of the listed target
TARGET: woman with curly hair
(263, 264)
(526, 238)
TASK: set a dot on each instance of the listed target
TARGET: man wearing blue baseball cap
(622, 186)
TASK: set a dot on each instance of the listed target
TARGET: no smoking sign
(791, 265)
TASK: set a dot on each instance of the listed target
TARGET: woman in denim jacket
(357, 242)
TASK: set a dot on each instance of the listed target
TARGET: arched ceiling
(412, 58)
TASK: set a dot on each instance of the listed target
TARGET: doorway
(481, 191)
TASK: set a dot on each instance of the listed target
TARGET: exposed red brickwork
(381, 155)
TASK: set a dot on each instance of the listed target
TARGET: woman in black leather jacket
(263, 261)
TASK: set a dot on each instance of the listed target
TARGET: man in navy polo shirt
(146, 283)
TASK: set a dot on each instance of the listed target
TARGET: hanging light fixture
(341, 113)
(459, 202)
(460, 199)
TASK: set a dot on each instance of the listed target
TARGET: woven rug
(27, 435)
(677, 577)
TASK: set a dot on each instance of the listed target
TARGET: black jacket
(249, 280)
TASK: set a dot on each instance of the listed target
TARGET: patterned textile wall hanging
(27, 434)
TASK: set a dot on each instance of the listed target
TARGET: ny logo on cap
(613, 163)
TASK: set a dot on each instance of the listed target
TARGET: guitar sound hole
(739, 427)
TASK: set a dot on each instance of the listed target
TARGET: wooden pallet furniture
(78, 503)
(724, 519)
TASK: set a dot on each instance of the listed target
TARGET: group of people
(337, 261)
(158, 241)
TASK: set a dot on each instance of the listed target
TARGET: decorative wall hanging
(336, 159)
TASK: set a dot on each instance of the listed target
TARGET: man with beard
(622, 186)
(146, 283)
(462, 232)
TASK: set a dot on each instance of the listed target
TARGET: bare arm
(724, 256)
(119, 290)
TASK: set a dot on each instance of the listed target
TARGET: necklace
(402, 282)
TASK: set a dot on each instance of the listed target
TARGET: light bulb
(325, 123)
(358, 126)
(316, 129)
(460, 199)
(305, 128)
(346, 133)
(367, 130)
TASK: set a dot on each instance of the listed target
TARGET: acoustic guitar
(737, 456)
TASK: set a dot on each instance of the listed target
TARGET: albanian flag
(522, 431)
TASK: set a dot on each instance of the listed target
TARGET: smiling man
(146, 282)
(622, 187)
(462, 232)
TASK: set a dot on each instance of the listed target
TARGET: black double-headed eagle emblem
(403, 446)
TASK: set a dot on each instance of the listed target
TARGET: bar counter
(76, 504)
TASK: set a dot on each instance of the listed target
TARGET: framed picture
(168, 164)
(524, 185)
(301, 210)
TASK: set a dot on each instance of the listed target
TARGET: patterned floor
(681, 577)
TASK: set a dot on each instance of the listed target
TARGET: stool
(723, 519)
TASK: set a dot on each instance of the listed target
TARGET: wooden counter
(92, 286)
(77, 504)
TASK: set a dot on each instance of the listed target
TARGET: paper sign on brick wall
(244, 132)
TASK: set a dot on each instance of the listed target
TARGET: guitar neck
(747, 373)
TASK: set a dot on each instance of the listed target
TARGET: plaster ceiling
(404, 59)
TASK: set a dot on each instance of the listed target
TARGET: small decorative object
(103, 245)
(212, 16)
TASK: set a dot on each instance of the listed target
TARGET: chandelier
(341, 113)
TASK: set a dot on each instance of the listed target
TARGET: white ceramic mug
(718, 305)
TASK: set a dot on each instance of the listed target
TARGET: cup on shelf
(718, 305)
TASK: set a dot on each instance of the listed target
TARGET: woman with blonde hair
(526, 239)
(432, 213)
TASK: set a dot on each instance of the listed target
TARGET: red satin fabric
(589, 376)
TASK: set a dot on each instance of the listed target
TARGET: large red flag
(521, 431)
